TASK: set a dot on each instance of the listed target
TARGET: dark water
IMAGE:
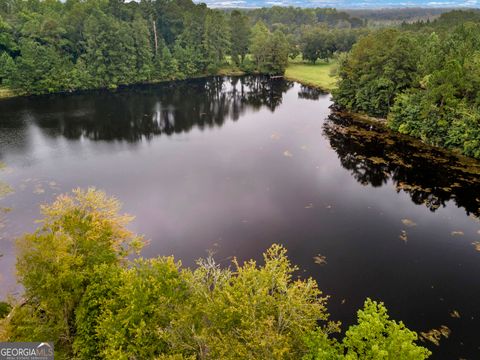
(235, 165)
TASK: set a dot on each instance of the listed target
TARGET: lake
(232, 165)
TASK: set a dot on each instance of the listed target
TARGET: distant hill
(395, 14)
(346, 4)
(295, 17)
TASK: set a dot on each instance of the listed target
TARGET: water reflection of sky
(206, 168)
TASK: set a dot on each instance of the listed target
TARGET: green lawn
(318, 75)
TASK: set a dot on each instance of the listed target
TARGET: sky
(342, 4)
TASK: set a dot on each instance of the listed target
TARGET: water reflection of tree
(143, 112)
(374, 156)
(310, 93)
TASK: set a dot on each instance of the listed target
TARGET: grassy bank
(229, 70)
(316, 75)
(5, 93)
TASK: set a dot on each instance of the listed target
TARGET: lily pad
(435, 335)
(408, 222)
(477, 245)
(320, 259)
(455, 314)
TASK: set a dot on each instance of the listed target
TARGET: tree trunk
(155, 36)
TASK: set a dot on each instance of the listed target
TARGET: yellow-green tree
(55, 263)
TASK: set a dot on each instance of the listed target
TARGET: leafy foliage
(374, 337)
(427, 83)
(240, 36)
(5, 309)
(377, 337)
(270, 50)
(56, 262)
(379, 66)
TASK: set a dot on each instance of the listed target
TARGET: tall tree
(259, 40)
(240, 36)
(109, 50)
(216, 39)
(277, 53)
(7, 68)
(317, 43)
(143, 49)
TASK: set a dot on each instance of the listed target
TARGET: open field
(316, 75)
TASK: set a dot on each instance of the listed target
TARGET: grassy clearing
(230, 70)
(318, 75)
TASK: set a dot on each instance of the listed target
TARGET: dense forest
(423, 77)
(82, 291)
(54, 46)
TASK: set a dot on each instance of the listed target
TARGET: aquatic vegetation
(435, 335)
(408, 222)
(275, 136)
(476, 244)
(38, 189)
(5, 189)
(320, 259)
(455, 314)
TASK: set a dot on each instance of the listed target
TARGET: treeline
(55, 46)
(295, 17)
(445, 22)
(52, 46)
(392, 16)
(425, 82)
(319, 43)
(82, 292)
(315, 33)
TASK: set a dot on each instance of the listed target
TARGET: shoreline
(470, 164)
(6, 93)
(316, 76)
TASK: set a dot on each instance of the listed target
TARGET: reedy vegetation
(82, 292)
